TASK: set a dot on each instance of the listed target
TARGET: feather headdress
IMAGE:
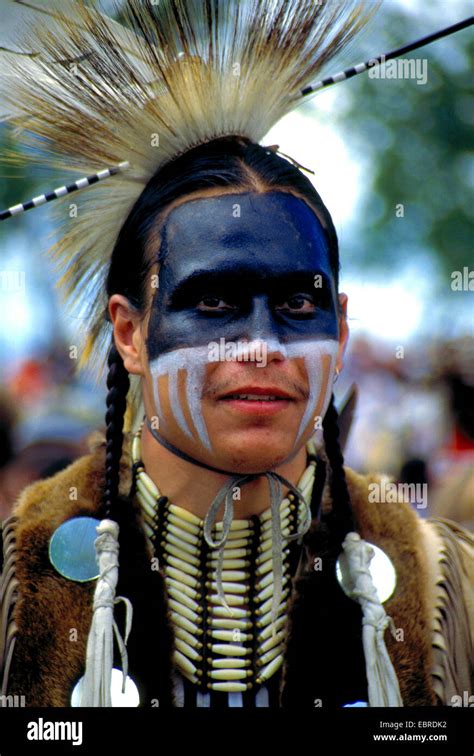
(88, 93)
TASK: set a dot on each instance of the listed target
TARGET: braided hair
(324, 619)
(118, 383)
(340, 518)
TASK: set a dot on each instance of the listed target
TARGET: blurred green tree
(417, 140)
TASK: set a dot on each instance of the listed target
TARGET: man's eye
(208, 304)
(300, 303)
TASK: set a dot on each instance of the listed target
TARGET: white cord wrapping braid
(381, 677)
(96, 687)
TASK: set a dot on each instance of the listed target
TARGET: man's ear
(128, 337)
(343, 330)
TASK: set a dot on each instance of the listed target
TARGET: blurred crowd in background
(46, 415)
(414, 420)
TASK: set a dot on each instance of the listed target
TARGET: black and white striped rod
(63, 191)
(379, 59)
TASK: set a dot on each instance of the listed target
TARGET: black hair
(340, 517)
(118, 383)
(323, 620)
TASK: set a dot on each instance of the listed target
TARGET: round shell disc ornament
(381, 569)
(128, 699)
(72, 549)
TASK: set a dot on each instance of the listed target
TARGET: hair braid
(325, 620)
(340, 519)
(118, 383)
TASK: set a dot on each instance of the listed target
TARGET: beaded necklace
(214, 649)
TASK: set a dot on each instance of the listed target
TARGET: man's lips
(257, 393)
(262, 400)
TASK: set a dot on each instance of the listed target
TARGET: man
(241, 596)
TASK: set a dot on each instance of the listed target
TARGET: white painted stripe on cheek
(314, 380)
(156, 393)
(313, 353)
(193, 360)
(194, 385)
(175, 403)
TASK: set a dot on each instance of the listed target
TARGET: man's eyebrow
(204, 278)
(316, 279)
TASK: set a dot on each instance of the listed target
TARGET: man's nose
(261, 326)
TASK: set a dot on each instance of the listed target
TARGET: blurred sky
(397, 308)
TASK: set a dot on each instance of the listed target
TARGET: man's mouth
(260, 400)
(256, 397)
(258, 394)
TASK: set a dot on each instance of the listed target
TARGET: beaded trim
(216, 650)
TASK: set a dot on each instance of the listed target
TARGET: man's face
(243, 331)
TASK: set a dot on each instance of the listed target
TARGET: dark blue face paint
(242, 267)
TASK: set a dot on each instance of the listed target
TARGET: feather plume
(90, 93)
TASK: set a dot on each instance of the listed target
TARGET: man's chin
(252, 457)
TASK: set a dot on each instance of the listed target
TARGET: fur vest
(45, 618)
